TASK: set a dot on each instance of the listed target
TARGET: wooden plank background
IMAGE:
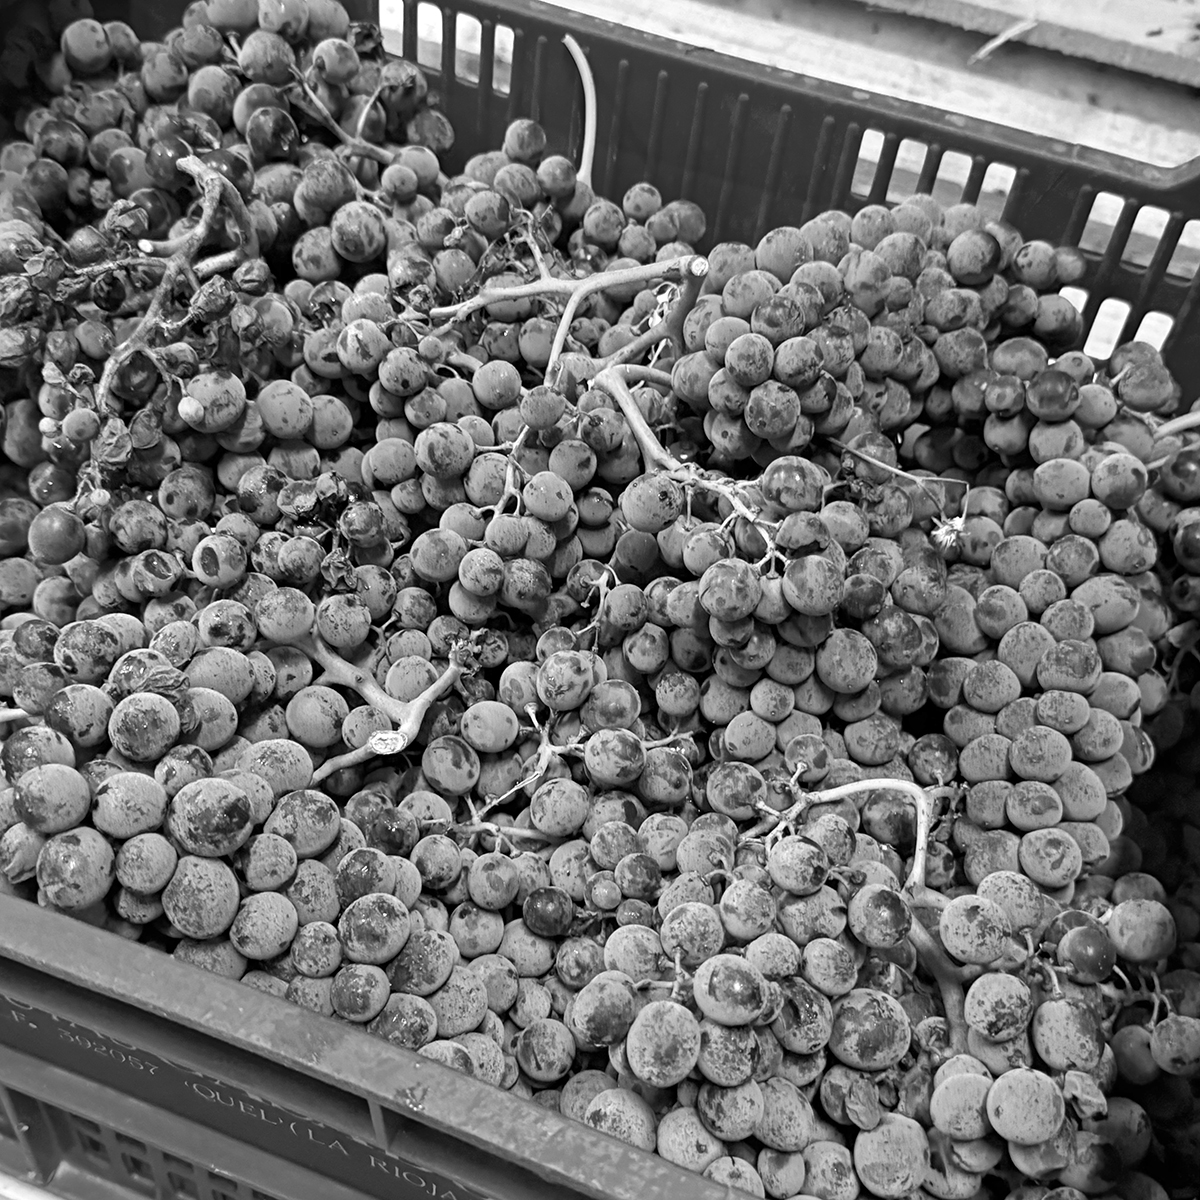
(1159, 38)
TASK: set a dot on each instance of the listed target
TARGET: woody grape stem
(613, 381)
(670, 328)
(588, 153)
(602, 281)
(356, 147)
(949, 981)
(407, 715)
(215, 190)
(584, 285)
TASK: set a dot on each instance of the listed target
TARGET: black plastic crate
(125, 1073)
(758, 147)
(349, 1113)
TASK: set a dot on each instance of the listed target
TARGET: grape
(1141, 930)
(893, 1157)
(730, 1113)
(663, 1043)
(729, 990)
(1087, 953)
(1025, 1107)
(1016, 895)
(878, 916)
(829, 1171)
(735, 1173)
(201, 899)
(798, 865)
(998, 1007)
(128, 804)
(264, 926)
(870, 1030)
(1175, 1045)
(1131, 1046)
(51, 798)
(683, 1140)
(974, 929)
(1066, 1035)
(623, 1115)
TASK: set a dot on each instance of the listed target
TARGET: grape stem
(922, 801)
(587, 154)
(615, 381)
(232, 199)
(461, 361)
(1178, 425)
(215, 189)
(407, 715)
(374, 747)
(500, 832)
(601, 281)
(898, 473)
(585, 285)
(313, 105)
(670, 328)
(512, 469)
(949, 981)
(529, 235)
(133, 263)
(545, 754)
(1169, 429)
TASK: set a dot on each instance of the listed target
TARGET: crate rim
(400, 1081)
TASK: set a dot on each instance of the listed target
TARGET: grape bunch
(737, 697)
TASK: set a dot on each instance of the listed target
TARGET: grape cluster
(715, 697)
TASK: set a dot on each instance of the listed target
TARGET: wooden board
(1159, 38)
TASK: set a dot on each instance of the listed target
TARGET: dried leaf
(53, 375)
(189, 719)
(1084, 1095)
(18, 345)
(44, 270)
(1179, 634)
(913, 1093)
(145, 430)
(331, 487)
(298, 499)
(18, 300)
(112, 446)
(338, 571)
(365, 37)
(862, 1104)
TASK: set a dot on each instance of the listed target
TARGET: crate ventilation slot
(906, 173)
(1107, 327)
(870, 151)
(468, 47)
(1148, 228)
(502, 60)
(429, 37)
(1186, 257)
(1155, 328)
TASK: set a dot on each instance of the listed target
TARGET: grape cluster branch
(215, 190)
(406, 715)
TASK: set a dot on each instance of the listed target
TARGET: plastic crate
(758, 147)
(123, 1072)
(114, 1040)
